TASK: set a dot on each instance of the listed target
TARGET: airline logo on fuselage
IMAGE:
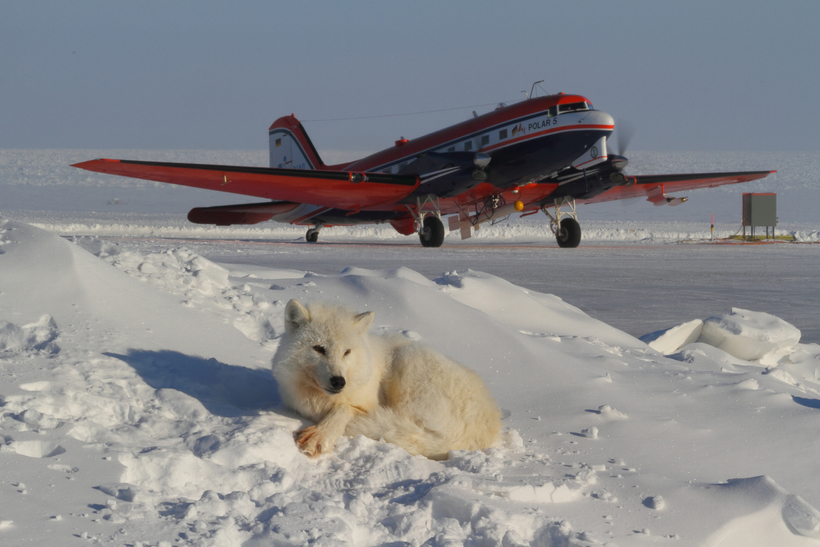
(533, 126)
(542, 124)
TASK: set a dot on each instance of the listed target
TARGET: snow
(670, 340)
(137, 405)
(751, 336)
(755, 337)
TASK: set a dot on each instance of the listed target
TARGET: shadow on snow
(811, 403)
(225, 390)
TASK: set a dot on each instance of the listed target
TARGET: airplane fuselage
(529, 142)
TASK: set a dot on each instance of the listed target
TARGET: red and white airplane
(545, 153)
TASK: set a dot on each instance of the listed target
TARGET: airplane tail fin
(290, 146)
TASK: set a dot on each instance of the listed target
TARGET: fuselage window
(468, 146)
(502, 134)
(485, 140)
(451, 149)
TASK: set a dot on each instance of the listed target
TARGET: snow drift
(138, 408)
(751, 336)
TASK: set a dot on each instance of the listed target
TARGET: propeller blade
(624, 131)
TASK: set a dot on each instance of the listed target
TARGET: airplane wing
(649, 185)
(337, 189)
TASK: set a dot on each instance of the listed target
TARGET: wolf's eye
(347, 352)
(319, 349)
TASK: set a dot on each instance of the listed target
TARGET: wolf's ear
(296, 315)
(363, 321)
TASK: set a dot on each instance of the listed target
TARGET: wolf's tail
(290, 146)
(384, 423)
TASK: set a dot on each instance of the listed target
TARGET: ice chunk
(804, 518)
(530, 493)
(36, 449)
(655, 502)
(547, 493)
(671, 340)
(37, 336)
(751, 336)
(609, 413)
(591, 433)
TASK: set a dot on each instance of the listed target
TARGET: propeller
(624, 131)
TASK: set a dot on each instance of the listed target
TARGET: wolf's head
(326, 345)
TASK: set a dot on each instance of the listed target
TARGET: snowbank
(138, 408)
(755, 337)
(751, 336)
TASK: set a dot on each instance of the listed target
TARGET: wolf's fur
(394, 389)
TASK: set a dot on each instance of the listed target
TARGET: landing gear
(569, 234)
(428, 222)
(312, 235)
(432, 232)
(565, 223)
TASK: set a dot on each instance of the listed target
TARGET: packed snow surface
(137, 405)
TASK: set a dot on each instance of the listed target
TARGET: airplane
(546, 153)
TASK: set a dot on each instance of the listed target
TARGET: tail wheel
(569, 234)
(312, 236)
(432, 233)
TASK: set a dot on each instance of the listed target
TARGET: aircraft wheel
(312, 236)
(432, 235)
(569, 235)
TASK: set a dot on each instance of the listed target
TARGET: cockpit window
(572, 107)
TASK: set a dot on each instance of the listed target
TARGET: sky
(722, 76)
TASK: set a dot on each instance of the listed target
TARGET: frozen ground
(138, 409)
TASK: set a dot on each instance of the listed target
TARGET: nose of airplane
(602, 122)
(597, 117)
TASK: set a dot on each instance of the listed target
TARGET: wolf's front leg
(315, 439)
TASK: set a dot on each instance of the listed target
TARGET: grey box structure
(759, 210)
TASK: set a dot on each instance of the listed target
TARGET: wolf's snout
(337, 383)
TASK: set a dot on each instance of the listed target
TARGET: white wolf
(331, 371)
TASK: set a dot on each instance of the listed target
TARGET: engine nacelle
(200, 215)
(251, 213)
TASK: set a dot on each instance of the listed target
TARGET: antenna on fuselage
(532, 89)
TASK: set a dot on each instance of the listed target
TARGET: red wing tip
(86, 164)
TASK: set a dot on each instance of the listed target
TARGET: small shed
(759, 210)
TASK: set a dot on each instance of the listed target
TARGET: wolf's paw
(310, 441)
